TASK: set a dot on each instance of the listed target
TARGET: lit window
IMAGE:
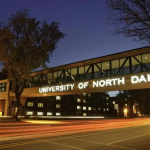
(39, 113)
(30, 104)
(78, 107)
(103, 109)
(89, 108)
(113, 102)
(107, 103)
(0, 113)
(107, 109)
(57, 106)
(126, 105)
(107, 98)
(78, 100)
(58, 114)
(40, 104)
(29, 112)
(84, 108)
(58, 97)
(99, 108)
(49, 113)
(84, 94)
(89, 95)
(84, 114)
(125, 99)
(84, 101)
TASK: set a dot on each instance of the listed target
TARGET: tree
(3, 74)
(130, 96)
(25, 45)
(143, 101)
(131, 17)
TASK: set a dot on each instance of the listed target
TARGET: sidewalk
(7, 120)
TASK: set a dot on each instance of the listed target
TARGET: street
(104, 134)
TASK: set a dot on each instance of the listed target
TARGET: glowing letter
(142, 79)
(134, 79)
(114, 81)
(148, 77)
(80, 85)
(102, 83)
(86, 84)
(121, 81)
(108, 82)
(40, 90)
(95, 84)
(72, 85)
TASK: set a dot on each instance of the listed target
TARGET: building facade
(80, 88)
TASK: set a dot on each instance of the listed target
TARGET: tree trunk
(18, 106)
(131, 110)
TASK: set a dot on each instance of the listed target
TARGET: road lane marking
(67, 146)
(106, 144)
(128, 138)
(55, 138)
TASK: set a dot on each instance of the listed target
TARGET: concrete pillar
(6, 111)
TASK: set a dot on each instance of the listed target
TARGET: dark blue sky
(83, 21)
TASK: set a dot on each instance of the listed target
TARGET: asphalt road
(117, 134)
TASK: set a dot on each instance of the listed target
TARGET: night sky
(83, 21)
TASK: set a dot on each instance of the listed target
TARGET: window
(136, 67)
(113, 102)
(107, 103)
(78, 107)
(126, 105)
(58, 113)
(58, 97)
(89, 108)
(78, 100)
(97, 72)
(146, 61)
(84, 114)
(84, 101)
(57, 106)
(89, 95)
(49, 113)
(125, 69)
(81, 73)
(115, 66)
(88, 74)
(30, 113)
(84, 94)
(74, 74)
(103, 109)
(106, 69)
(49, 76)
(107, 109)
(84, 107)
(39, 113)
(99, 108)
(107, 98)
(40, 104)
(30, 104)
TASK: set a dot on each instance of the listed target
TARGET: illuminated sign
(56, 88)
(139, 79)
(109, 82)
(98, 83)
